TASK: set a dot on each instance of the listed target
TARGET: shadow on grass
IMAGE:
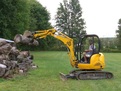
(2, 80)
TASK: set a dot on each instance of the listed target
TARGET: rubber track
(93, 75)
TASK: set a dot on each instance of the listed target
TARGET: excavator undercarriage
(87, 75)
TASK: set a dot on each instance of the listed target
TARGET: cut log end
(18, 38)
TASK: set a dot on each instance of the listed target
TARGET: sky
(101, 16)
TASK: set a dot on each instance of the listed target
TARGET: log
(26, 40)
(14, 51)
(5, 49)
(12, 56)
(35, 43)
(2, 71)
(2, 42)
(25, 53)
(20, 58)
(24, 67)
(8, 74)
(2, 57)
(9, 65)
(18, 38)
(28, 34)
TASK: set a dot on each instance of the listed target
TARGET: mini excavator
(84, 71)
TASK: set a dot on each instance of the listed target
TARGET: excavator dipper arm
(62, 37)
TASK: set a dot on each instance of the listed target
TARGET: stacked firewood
(14, 61)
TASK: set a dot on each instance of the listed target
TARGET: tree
(39, 20)
(39, 16)
(62, 17)
(69, 18)
(77, 23)
(118, 33)
(14, 17)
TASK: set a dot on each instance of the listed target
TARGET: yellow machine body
(97, 62)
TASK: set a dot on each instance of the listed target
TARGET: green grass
(46, 76)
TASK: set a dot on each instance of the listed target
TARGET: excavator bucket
(26, 38)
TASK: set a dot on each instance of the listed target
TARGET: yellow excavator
(84, 71)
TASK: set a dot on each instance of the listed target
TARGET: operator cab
(84, 44)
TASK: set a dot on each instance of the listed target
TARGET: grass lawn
(46, 76)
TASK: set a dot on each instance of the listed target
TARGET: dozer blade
(63, 77)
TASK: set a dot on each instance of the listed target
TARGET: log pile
(14, 61)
